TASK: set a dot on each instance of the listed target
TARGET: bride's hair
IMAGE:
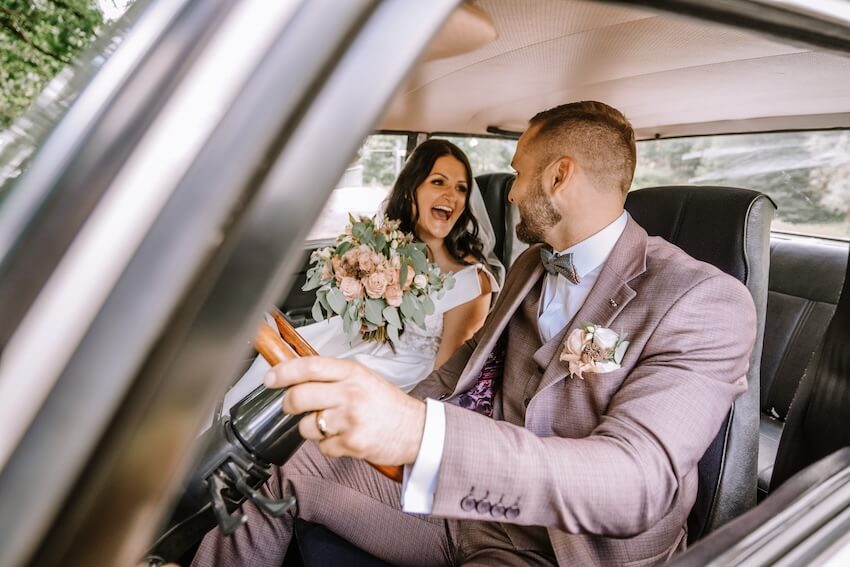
(462, 240)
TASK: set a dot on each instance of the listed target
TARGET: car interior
(742, 115)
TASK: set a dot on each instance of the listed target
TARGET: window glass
(807, 174)
(364, 185)
(486, 155)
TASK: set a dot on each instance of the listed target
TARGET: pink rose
(365, 259)
(573, 351)
(408, 279)
(393, 295)
(339, 271)
(376, 285)
(327, 271)
(351, 288)
(392, 276)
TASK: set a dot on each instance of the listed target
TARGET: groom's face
(536, 212)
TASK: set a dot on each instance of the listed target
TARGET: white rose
(605, 338)
(420, 281)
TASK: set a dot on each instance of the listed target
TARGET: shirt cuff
(420, 478)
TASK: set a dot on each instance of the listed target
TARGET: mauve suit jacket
(608, 464)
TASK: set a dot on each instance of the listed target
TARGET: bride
(433, 199)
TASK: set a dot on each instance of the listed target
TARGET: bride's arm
(460, 323)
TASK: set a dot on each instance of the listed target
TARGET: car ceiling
(671, 76)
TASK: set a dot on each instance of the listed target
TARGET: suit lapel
(522, 277)
(610, 294)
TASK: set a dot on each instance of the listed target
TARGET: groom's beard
(536, 215)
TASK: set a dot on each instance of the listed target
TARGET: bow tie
(562, 265)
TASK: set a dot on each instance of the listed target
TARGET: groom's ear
(561, 172)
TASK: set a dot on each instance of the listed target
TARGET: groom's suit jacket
(606, 466)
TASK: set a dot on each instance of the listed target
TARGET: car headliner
(670, 75)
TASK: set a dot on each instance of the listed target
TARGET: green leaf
(620, 351)
(336, 300)
(317, 311)
(380, 243)
(392, 333)
(354, 330)
(402, 278)
(420, 261)
(427, 305)
(314, 279)
(343, 248)
(419, 317)
(391, 315)
(408, 305)
(374, 309)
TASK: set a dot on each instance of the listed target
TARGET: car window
(486, 155)
(364, 185)
(807, 174)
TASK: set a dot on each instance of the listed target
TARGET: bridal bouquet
(376, 278)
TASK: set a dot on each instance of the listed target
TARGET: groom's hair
(462, 240)
(595, 134)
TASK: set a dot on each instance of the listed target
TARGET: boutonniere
(592, 348)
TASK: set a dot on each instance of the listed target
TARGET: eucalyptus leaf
(343, 248)
(427, 305)
(322, 298)
(408, 306)
(354, 330)
(314, 279)
(336, 300)
(419, 318)
(317, 311)
(420, 262)
(392, 333)
(402, 277)
(620, 351)
(374, 309)
(391, 315)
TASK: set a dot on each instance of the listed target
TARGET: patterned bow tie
(562, 265)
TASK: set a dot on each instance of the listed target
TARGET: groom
(536, 443)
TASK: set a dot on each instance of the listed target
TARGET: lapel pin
(612, 303)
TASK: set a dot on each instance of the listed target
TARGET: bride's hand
(363, 415)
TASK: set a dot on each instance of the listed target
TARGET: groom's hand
(364, 416)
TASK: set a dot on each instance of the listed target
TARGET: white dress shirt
(560, 300)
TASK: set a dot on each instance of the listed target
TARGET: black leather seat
(730, 229)
(816, 427)
(805, 282)
(817, 422)
(494, 189)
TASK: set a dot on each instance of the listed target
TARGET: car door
(155, 224)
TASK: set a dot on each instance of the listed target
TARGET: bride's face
(441, 198)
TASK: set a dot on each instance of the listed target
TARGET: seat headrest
(690, 217)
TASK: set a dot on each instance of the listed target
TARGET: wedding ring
(321, 424)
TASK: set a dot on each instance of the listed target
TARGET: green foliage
(37, 39)
(486, 155)
(382, 157)
(801, 171)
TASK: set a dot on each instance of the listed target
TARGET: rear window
(807, 174)
(486, 155)
(364, 185)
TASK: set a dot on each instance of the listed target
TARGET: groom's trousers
(356, 502)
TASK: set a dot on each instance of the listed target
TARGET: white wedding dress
(413, 358)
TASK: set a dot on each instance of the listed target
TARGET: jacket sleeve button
(483, 507)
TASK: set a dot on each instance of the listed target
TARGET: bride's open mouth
(442, 212)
